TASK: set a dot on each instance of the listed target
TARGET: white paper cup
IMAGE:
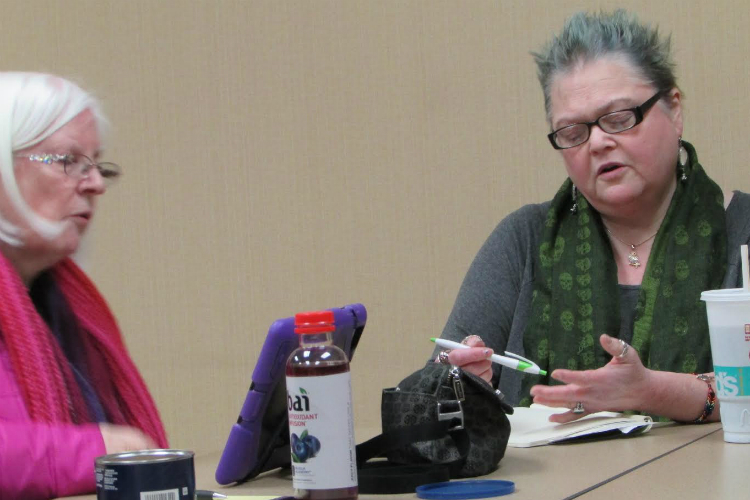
(729, 327)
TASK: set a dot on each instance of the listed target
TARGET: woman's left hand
(617, 386)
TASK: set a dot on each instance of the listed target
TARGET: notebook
(259, 441)
(531, 426)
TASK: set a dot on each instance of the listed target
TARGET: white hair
(33, 106)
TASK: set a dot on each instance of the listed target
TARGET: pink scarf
(47, 383)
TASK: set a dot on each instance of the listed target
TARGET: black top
(628, 300)
(55, 311)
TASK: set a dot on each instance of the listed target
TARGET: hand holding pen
(475, 361)
(510, 360)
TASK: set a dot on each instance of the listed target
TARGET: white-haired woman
(620, 255)
(69, 391)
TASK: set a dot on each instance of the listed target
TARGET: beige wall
(282, 156)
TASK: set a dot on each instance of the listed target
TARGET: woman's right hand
(119, 438)
(476, 360)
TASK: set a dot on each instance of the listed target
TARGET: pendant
(633, 259)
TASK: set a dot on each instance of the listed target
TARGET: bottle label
(321, 431)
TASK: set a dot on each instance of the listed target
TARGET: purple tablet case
(259, 441)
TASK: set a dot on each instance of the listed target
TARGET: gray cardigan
(494, 300)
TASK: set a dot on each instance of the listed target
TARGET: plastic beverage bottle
(321, 423)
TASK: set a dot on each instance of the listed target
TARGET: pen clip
(521, 358)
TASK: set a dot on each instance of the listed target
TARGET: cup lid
(725, 295)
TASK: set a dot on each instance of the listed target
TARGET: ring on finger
(465, 341)
(578, 408)
(443, 358)
(625, 348)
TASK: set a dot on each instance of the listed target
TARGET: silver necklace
(633, 259)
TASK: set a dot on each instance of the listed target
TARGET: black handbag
(439, 423)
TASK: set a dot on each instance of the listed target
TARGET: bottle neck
(315, 339)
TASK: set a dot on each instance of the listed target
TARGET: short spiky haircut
(587, 37)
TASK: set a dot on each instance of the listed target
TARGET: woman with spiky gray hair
(601, 285)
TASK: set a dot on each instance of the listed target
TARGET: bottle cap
(314, 322)
(477, 488)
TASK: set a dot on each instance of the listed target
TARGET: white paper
(531, 426)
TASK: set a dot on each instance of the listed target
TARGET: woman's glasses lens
(109, 171)
(77, 166)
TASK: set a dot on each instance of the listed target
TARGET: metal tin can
(146, 475)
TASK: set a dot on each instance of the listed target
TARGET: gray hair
(33, 106)
(587, 37)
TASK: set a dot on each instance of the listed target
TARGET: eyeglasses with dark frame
(78, 166)
(615, 122)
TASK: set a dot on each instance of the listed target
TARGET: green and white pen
(510, 360)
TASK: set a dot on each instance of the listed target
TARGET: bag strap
(382, 477)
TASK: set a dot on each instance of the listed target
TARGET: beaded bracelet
(710, 399)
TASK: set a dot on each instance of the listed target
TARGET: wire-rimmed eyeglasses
(615, 122)
(78, 166)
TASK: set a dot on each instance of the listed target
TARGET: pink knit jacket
(41, 460)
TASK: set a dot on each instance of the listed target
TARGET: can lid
(144, 457)
(725, 295)
(472, 488)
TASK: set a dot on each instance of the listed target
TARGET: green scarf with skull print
(576, 296)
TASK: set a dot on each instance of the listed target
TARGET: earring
(574, 193)
(682, 156)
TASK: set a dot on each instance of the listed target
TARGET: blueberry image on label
(300, 452)
(313, 444)
(304, 447)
